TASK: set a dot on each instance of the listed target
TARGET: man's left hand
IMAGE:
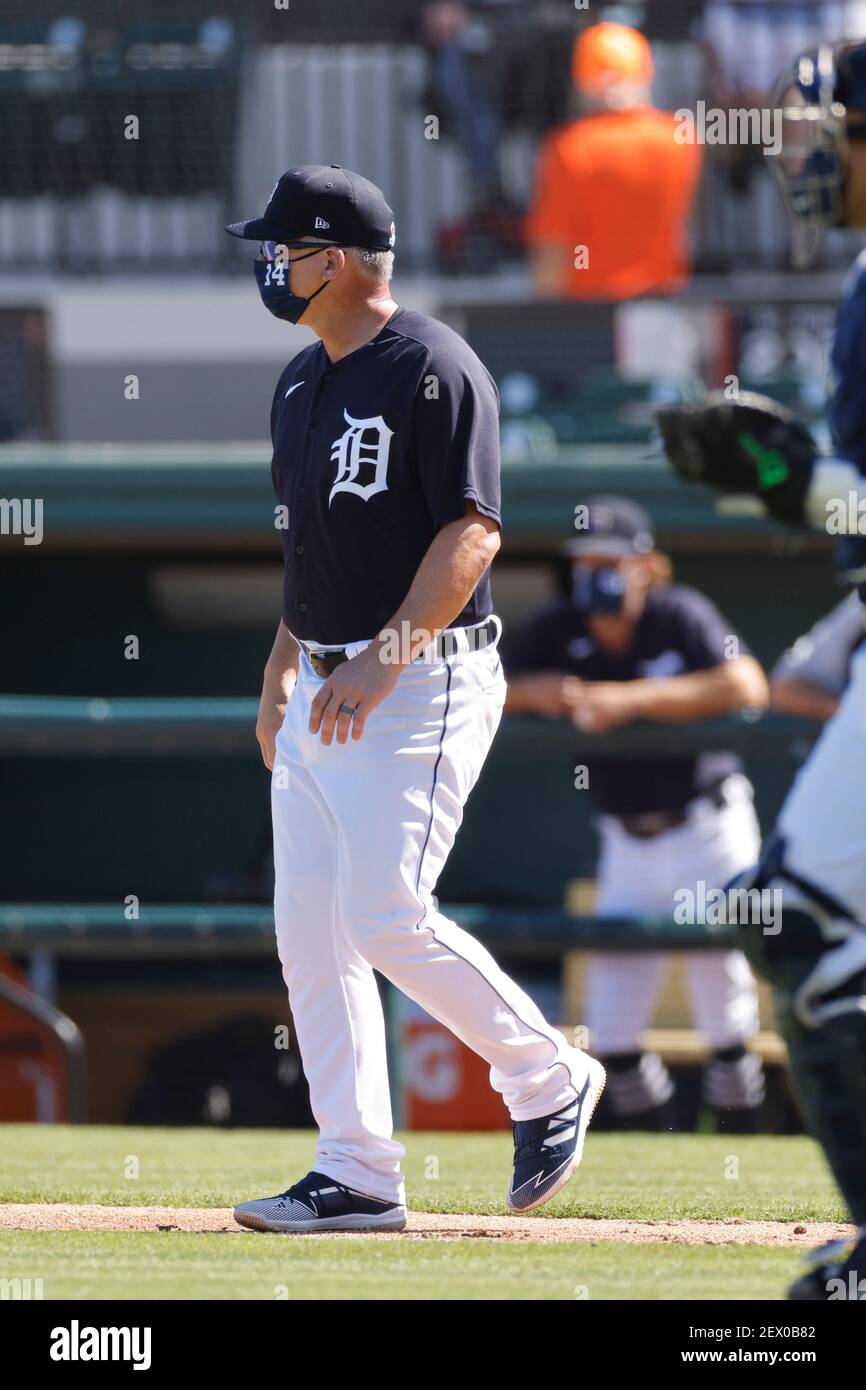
(361, 684)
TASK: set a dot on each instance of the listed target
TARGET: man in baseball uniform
(380, 700)
(627, 644)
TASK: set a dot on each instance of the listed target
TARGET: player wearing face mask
(628, 645)
(380, 700)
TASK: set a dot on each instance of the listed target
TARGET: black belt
(651, 823)
(446, 645)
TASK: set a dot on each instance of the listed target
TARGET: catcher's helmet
(814, 97)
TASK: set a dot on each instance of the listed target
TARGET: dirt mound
(63, 1216)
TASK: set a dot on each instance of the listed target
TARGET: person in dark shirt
(380, 700)
(626, 645)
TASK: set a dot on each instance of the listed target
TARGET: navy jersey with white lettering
(848, 407)
(373, 454)
(680, 630)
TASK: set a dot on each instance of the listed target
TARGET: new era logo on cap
(321, 224)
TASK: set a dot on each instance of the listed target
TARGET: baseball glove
(750, 445)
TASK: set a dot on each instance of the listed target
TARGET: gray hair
(379, 265)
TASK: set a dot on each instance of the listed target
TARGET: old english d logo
(365, 444)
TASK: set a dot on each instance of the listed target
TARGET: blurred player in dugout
(628, 645)
(614, 189)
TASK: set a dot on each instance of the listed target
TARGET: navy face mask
(598, 590)
(273, 276)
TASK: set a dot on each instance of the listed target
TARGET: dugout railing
(181, 931)
(53, 933)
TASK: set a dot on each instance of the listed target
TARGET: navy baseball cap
(325, 201)
(611, 526)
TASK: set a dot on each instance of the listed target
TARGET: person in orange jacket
(614, 189)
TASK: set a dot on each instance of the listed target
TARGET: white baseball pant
(639, 878)
(361, 833)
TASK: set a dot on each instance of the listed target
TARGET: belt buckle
(324, 663)
(648, 824)
(645, 827)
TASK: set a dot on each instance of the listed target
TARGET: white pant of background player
(639, 877)
(361, 833)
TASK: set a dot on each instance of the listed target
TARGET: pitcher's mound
(66, 1216)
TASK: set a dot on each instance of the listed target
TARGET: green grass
(637, 1177)
(634, 1176)
(108, 1264)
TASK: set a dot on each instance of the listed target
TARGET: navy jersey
(680, 630)
(373, 454)
(848, 408)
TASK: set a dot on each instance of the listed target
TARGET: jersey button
(310, 433)
(299, 550)
(302, 607)
(300, 492)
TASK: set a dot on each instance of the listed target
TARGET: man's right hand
(553, 695)
(281, 673)
(272, 712)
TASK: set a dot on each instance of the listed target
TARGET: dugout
(141, 776)
(158, 578)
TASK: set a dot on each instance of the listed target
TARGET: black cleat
(319, 1203)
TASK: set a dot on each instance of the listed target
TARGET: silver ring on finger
(346, 709)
